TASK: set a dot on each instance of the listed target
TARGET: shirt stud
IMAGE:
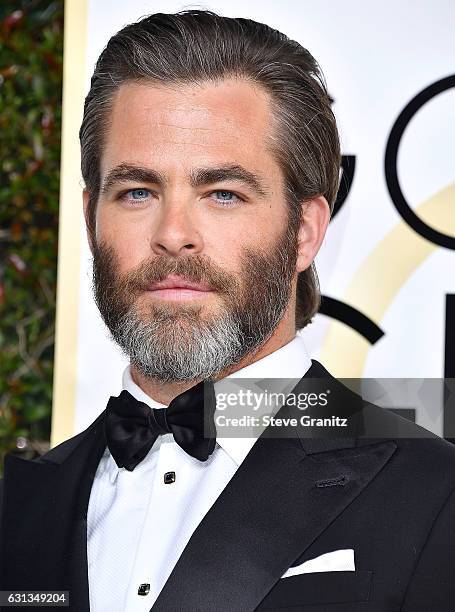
(144, 589)
(169, 477)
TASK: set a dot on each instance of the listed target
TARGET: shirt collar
(289, 361)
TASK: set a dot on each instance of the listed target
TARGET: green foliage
(31, 51)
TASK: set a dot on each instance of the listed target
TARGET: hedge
(31, 53)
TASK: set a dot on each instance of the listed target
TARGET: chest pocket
(319, 588)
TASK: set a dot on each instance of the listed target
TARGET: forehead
(172, 127)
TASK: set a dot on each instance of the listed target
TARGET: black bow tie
(132, 427)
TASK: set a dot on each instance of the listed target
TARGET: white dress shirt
(138, 526)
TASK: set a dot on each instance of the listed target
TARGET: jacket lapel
(44, 526)
(285, 493)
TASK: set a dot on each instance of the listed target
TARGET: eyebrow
(202, 176)
(125, 173)
(228, 172)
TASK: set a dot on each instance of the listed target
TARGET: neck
(164, 393)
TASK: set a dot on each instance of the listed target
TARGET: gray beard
(177, 352)
(180, 350)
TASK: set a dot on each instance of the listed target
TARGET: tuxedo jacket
(390, 498)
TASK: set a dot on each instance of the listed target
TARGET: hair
(198, 46)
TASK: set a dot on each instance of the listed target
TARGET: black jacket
(390, 498)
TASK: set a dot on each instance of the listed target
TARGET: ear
(313, 226)
(85, 202)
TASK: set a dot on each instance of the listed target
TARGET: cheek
(224, 242)
(254, 234)
(131, 242)
(227, 249)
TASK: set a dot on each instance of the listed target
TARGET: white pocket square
(336, 561)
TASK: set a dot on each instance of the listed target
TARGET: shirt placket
(145, 582)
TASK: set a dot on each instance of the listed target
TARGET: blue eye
(139, 194)
(135, 197)
(226, 197)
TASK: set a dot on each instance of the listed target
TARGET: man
(210, 157)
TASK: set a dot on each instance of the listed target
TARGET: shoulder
(62, 451)
(378, 423)
(422, 459)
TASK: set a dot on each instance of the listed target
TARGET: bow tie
(131, 426)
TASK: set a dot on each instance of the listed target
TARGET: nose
(176, 233)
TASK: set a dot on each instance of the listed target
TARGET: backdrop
(387, 264)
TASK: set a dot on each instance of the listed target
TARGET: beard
(179, 341)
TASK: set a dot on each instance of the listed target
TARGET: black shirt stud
(169, 477)
(144, 589)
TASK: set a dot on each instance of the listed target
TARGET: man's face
(190, 192)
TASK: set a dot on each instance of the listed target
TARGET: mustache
(193, 268)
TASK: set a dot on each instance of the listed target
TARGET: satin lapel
(44, 522)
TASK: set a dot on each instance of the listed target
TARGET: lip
(177, 289)
(175, 282)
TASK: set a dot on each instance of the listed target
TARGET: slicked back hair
(199, 46)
